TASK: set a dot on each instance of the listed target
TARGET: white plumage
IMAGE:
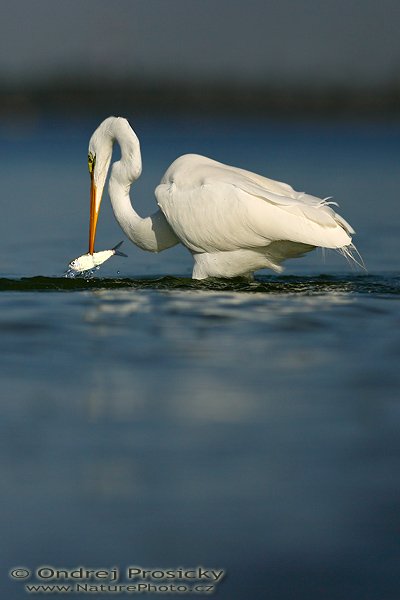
(233, 221)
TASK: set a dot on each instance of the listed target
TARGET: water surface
(147, 419)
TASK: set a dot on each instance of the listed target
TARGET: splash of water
(87, 275)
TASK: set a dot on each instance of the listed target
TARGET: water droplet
(70, 274)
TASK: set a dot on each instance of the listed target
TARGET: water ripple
(378, 285)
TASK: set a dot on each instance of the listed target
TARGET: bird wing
(215, 207)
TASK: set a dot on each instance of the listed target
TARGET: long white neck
(152, 233)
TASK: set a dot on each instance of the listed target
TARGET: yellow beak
(94, 215)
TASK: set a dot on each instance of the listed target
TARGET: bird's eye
(91, 162)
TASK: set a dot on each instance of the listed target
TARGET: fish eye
(91, 162)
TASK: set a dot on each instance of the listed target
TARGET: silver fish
(86, 262)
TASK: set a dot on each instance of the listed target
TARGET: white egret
(233, 222)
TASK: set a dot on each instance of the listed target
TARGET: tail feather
(351, 253)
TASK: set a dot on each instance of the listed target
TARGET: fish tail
(118, 252)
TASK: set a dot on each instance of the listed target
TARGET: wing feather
(215, 207)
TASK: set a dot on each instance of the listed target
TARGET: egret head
(99, 157)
